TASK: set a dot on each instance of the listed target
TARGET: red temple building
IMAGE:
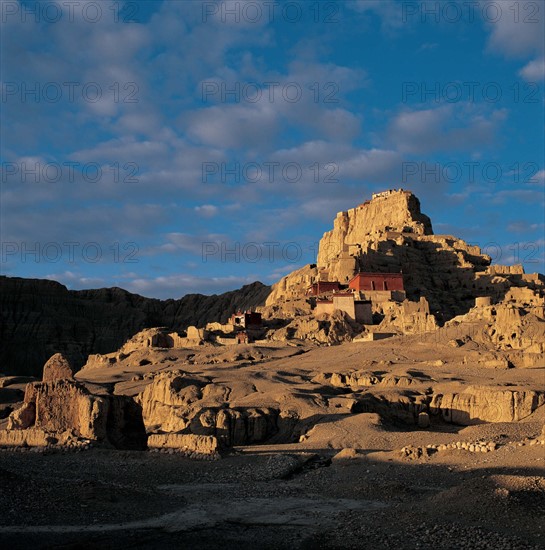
(377, 281)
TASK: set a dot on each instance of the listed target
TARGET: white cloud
(373, 165)
(233, 126)
(262, 103)
(523, 226)
(517, 30)
(187, 242)
(207, 210)
(81, 223)
(534, 70)
(340, 161)
(445, 128)
(124, 149)
(338, 124)
(516, 27)
(526, 196)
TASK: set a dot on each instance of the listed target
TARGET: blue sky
(178, 146)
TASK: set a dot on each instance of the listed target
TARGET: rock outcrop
(166, 401)
(34, 437)
(474, 405)
(58, 367)
(291, 287)
(324, 329)
(508, 335)
(176, 402)
(506, 326)
(22, 418)
(384, 216)
(63, 404)
(478, 404)
(408, 318)
(405, 398)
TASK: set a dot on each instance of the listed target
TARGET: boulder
(58, 367)
(347, 453)
(423, 420)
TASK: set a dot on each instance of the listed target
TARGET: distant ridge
(40, 317)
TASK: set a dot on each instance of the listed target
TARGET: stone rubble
(481, 446)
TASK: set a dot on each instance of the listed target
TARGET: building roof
(375, 274)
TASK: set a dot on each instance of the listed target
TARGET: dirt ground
(277, 497)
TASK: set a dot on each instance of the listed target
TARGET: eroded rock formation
(389, 234)
(60, 406)
(486, 404)
(176, 402)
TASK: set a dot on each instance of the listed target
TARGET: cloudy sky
(170, 147)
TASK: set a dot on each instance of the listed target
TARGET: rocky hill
(41, 317)
(389, 234)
